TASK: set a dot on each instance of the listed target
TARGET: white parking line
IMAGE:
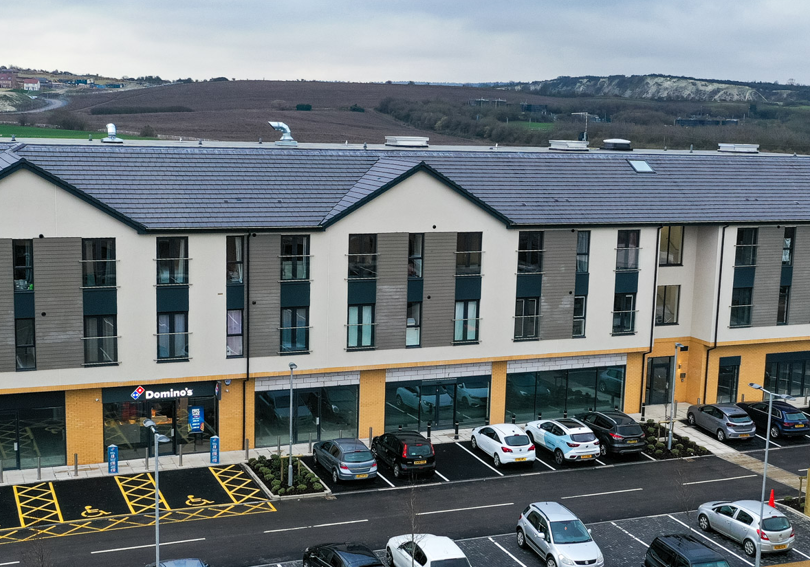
(631, 535)
(308, 527)
(10, 563)
(720, 479)
(502, 548)
(601, 493)
(600, 462)
(480, 459)
(794, 549)
(388, 482)
(545, 463)
(646, 455)
(465, 509)
(163, 543)
(772, 442)
(441, 476)
(710, 540)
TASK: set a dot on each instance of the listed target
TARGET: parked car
(472, 396)
(553, 532)
(617, 432)
(505, 443)
(681, 550)
(345, 459)
(425, 550)
(740, 521)
(568, 439)
(340, 555)
(277, 410)
(787, 420)
(406, 452)
(181, 563)
(611, 381)
(724, 421)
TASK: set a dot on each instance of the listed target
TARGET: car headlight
(599, 557)
(565, 561)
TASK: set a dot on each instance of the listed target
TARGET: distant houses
(31, 84)
(8, 80)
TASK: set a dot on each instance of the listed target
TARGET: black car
(617, 432)
(405, 452)
(787, 420)
(340, 555)
(681, 550)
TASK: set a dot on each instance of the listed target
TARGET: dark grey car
(724, 421)
(345, 459)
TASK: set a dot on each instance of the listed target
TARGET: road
(52, 104)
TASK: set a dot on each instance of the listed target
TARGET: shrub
(787, 499)
(303, 107)
(282, 491)
(262, 459)
(659, 445)
(658, 452)
(651, 431)
(66, 120)
(252, 462)
(685, 440)
(679, 447)
(301, 487)
(675, 453)
(147, 132)
(690, 452)
(356, 108)
(702, 451)
(650, 422)
(317, 486)
(650, 448)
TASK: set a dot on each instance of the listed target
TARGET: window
(788, 245)
(741, 298)
(23, 265)
(172, 336)
(468, 253)
(666, 304)
(784, 305)
(295, 257)
(583, 250)
(235, 259)
(527, 319)
(100, 340)
(624, 315)
(746, 253)
(172, 261)
(26, 351)
(233, 344)
(671, 246)
(580, 303)
(361, 326)
(530, 252)
(295, 329)
(362, 256)
(413, 330)
(415, 255)
(98, 262)
(627, 250)
(466, 321)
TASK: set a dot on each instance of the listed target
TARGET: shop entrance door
(9, 441)
(658, 378)
(438, 405)
(163, 413)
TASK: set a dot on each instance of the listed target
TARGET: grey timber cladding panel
(799, 312)
(265, 291)
(58, 294)
(559, 279)
(7, 360)
(440, 287)
(767, 276)
(392, 290)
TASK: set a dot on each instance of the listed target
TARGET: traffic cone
(771, 501)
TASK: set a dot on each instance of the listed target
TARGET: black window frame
(26, 268)
(624, 320)
(28, 347)
(172, 260)
(469, 247)
(416, 255)
(783, 306)
(294, 257)
(626, 252)
(583, 251)
(522, 319)
(745, 251)
(173, 355)
(294, 331)
(465, 321)
(661, 303)
(665, 249)
(417, 324)
(581, 317)
(240, 334)
(362, 257)
(530, 252)
(742, 305)
(89, 340)
(788, 245)
(235, 259)
(357, 328)
(101, 269)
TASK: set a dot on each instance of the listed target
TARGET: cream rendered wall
(683, 276)
(706, 271)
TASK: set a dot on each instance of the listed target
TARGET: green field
(534, 125)
(7, 130)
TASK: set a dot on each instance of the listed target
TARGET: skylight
(640, 166)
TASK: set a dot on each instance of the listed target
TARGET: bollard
(643, 407)
(39, 468)
(428, 429)
(400, 428)
(146, 457)
(278, 444)
(310, 442)
(455, 435)
(743, 399)
(1, 471)
(340, 434)
(698, 401)
(486, 421)
(247, 449)
(565, 414)
(513, 419)
(180, 455)
(539, 416)
(75, 464)
(370, 435)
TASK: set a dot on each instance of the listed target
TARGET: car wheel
(374, 451)
(389, 558)
(602, 387)
(335, 477)
(750, 548)
(496, 460)
(399, 401)
(774, 432)
(721, 435)
(473, 442)
(307, 563)
(559, 458)
(602, 449)
(691, 419)
(397, 471)
(703, 522)
(521, 539)
(530, 436)
(550, 562)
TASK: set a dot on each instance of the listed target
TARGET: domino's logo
(137, 393)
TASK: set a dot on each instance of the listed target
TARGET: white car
(568, 439)
(424, 550)
(505, 443)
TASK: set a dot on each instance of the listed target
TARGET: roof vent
(738, 148)
(617, 145)
(407, 141)
(286, 136)
(568, 145)
(111, 137)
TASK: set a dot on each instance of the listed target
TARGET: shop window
(791, 377)
(295, 257)
(23, 265)
(530, 252)
(360, 327)
(295, 329)
(172, 336)
(413, 322)
(33, 436)
(783, 306)
(580, 306)
(746, 247)
(466, 322)
(671, 246)
(741, 306)
(235, 259)
(627, 250)
(468, 253)
(172, 261)
(527, 319)
(788, 245)
(362, 256)
(583, 251)
(415, 255)
(233, 346)
(412, 405)
(624, 313)
(100, 340)
(727, 379)
(25, 348)
(98, 262)
(666, 304)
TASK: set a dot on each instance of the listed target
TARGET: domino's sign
(159, 392)
(161, 395)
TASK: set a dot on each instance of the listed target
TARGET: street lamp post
(678, 347)
(293, 366)
(158, 439)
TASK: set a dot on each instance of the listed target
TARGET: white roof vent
(407, 141)
(286, 135)
(111, 137)
(617, 145)
(738, 148)
(568, 145)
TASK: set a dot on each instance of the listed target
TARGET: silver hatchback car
(724, 421)
(740, 521)
(553, 532)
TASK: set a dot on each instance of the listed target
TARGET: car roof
(619, 417)
(571, 424)
(507, 428)
(689, 546)
(349, 444)
(555, 511)
(409, 436)
(729, 409)
(438, 547)
(180, 563)
(752, 507)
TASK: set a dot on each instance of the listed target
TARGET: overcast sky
(438, 40)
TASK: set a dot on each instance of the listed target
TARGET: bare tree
(37, 554)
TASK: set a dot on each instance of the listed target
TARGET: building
(31, 84)
(410, 287)
(8, 80)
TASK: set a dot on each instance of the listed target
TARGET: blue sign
(112, 459)
(215, 450)
(196, 419)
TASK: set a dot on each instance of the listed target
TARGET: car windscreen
(358, 457)
(359, 559)
(718, 563)
(569, 531)
(517, 440)
(795, 416)
(582, 437)
(421, 450)
(776, 524)
(739, 418)
(457, 562)
(629, 430)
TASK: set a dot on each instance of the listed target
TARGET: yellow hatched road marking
(139, 493)
(37, 504)
(239, 486)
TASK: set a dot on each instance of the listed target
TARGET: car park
(681, 550)
(345, 459)
(740, 521)
(340, 555)
(724, 421)
(786, 420)
(617, 432)
(568, 439)
(505, 443)
(553, 532)
(425, 550)
(405, 452)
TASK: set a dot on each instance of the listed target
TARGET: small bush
(356, 108)
(659, 445)
(658, 452)
(317, 486)
(787, 499)
(679, 447)
(675, 453)
(650, 431)
(650, 448)
(690, 452)
(302, 487)
(303, 107)
(685, 440)
(147, 132)
(252, 462)
(282, 491)
(66, 120)
(262, 459)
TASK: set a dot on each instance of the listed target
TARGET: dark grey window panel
(468, 287)
(626, 282)
(32, 401)
(559, 282)
(581, 285)
(529, 285)
(294, 294)
(58, 290)
(24, 305)
(800, 286)
(770, 241)
(362, 292)
(438, 305)
(415, 290)
(7, 309)
(235, 296)
(730, 360)
(100, 302)
(787, 356)
(787, 276)
(264, 295)
(744, 277)
(172, 299)
(392, 290)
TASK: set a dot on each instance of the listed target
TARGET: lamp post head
(163, 439)
(293, 366)
(755, 386)
(149, 423)
(678, 345)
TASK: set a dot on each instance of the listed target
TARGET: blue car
(786, 420)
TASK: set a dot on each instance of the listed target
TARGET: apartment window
(23, 265)
(172, 261)
(666, 304)
(527, 318)
(362, 256)
(235, 259)
(741, 304)
(468, 253)
(671, 247)
(415, 255)
(295, 329)
(172, 336)
(583, 251)
(233, 344)
(580, 304)
(788, 245)
(784, 305)
(100, 340)
(746, 253)
(26, 350)
(530, 252)
(627, 250)
(361, 326)
(466, 321)
(98, 262)
(624, 314)
(295, 257)
(413, 330)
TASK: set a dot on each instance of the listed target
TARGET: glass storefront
(32, 430)
(319, 414)
(788, 373)
(441, 403)
(555, 392)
